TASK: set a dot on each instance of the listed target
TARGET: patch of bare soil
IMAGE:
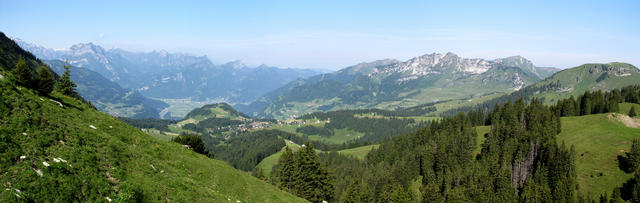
(626, 120)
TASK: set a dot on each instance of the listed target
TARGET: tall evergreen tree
(633, 156)
(286, 169)
(22, 73)
(65, 85)
(353, 192)
(311, 179)
(44, 80)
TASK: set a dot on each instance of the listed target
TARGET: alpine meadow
(331, 101)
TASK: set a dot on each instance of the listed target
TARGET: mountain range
(390, 84)
(164, 75)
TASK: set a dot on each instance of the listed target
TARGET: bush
(44, 80)
(193, 141)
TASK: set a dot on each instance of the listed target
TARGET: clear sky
(335, 34)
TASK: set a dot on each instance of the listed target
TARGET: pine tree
(632, 112)
(395, 193)
(286, 169)
(352, 194)
(311, 179)
(633, 156)
(22, 73)
(65, 85)
(44, 80)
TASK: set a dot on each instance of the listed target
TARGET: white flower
(45, 163)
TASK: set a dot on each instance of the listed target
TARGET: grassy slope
(625, 107)
(113, 156)
(481, 130)
(340, 135)
(267, 163)
(358, 152)
(598, 140)
(585, 77)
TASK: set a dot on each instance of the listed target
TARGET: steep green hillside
(598, 140)
(574, 82)
(57, 148)
(219, 110)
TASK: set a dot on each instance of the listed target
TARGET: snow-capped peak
(438, 63)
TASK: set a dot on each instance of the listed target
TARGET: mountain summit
(165, 75)
(389, 84)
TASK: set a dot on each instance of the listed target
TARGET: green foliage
(245, 151)
(519, 160)
(286, 170)
(22, 74)
(353, 193)
(310, 179)
(313, 130)
(303, 175)
(631, 161)
(632, 112)
(44, 80)
(113, 160)
(159, 124)
(193, 141)
(575, 82)
(395, 193)
(225, 111)
(375, 129)
(65, 85)
(212, 125)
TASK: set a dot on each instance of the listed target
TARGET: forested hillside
(524, 156)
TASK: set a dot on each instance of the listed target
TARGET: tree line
(43, 79)
(375, 129)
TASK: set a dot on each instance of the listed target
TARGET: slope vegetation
(598, 140)
(56, 148)
(575, 81)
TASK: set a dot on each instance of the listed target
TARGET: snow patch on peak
(518, 83)
(438, 63)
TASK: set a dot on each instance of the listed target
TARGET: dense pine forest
(519, 161)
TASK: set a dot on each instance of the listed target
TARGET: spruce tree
(22, 73)
(286, 169)
(633, 156)
(44, 80)
(65, 85)
(353, 192)
(311, 180)
(632, 112)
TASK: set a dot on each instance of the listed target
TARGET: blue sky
(336, 34)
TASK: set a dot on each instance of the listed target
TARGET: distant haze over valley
(177, 78)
